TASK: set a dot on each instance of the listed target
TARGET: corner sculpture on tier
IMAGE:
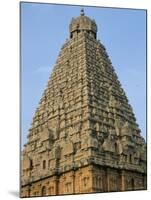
(84, 137)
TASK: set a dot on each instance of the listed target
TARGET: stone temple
(84, 137)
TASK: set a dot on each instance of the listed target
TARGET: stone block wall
(88, 179)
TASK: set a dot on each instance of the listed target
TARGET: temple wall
(87, 179)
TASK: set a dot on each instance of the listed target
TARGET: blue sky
(44, 29)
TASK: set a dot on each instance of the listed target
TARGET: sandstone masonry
(84, 137)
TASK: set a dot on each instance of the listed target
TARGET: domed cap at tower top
(82, 23)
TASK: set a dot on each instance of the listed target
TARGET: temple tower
(84, 136)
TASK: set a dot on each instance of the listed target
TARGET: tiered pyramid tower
(84, 137)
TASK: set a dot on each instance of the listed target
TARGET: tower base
(88, 179)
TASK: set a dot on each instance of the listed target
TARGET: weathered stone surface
(84, 136)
